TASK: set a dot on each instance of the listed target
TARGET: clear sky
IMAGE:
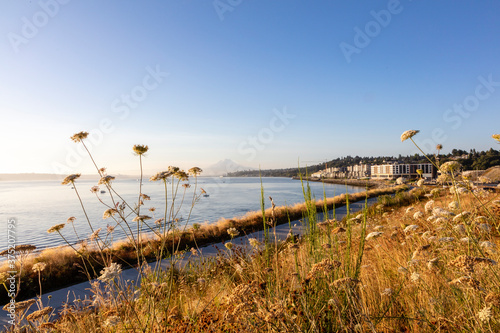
(259, 82)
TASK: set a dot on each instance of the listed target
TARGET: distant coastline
(49, 176)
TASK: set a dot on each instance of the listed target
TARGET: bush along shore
(422, 260)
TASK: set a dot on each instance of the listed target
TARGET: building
(396, 170)
(352, 171)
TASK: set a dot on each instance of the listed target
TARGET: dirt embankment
(351, 182)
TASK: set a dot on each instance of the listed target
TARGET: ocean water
(38, 205)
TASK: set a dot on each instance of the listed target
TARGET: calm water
(38, 205)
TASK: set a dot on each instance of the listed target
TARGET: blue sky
(260, 82)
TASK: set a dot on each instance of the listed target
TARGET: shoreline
(366, 183)
(184, 238)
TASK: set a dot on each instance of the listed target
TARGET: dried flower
(70, 179)
(414, 277)
(145, 197)
(387, 292)
(439, 147)
(453, 205)
(408, 134)
(95, 234)
(71, 219)
(418, 215)
(79, 136)
(228, 245)
(109, 213)
(162, 175)
(485, 314)
(496, 137)
(466, 281)
(111, 321)
(253, 242)
(106, 180)
(428, 206)
(140, 149)
(56, 228)
(420, 182)
(323, 267)
(195, 171)
(450, 167)
(111, 272)
(40, 313)
(373, 234)
(141, 218)
(94, 189)
(410, 228)
(39, 267)
(233, 232)
(20, 306)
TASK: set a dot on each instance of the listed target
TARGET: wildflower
(459, 228)
(195, 171)
(181, 175)
(111, 272)
(152, 209)
(79, 136)
(387, 292)
(453, 205)
(466, 281)
(374, 234)
(145, 197)
(233, 232)
(346, 282)
(159, 221)
(418, 215)
(95, 234)
(467, 263)
(254, 242)
(410, 228)
(496, 137)
(420, 182)
(140, 149)
(111, 321)
(440, 212)
(71, 219)
(488, 245)
(20, 306)
(485, 314)
(173, 169)
(39, 267)
(94, 189)
(323, 267)
(56, 228)
(484, 227)
(110, 229)
(450, 167)
(446, 239)
(408, 134)
(109, 213)
(162, 175)
(428, 206)
(410, 209)
(194, 252)
(40, 313)
(70, 179)
(414, 277)
(461, 216)
(433, 263)
(439, 147)
(228, 245)
(141, 218)
(186, 186)
(105, 180)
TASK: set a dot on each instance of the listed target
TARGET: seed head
(105, 180)
(162, 175)
(109, 213)
(140, 149)
(39, 267)
(485, 314)
(56, 228)
(70, 179)
(141, 218)
(39, 313)
(233, 232)
(439, 147)
(228, 245)
(79, 136)
(195, 171)
(71, 219)
(111, 272)
(450, 167)
(408, 134)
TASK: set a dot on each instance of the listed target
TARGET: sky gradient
(264, 83)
